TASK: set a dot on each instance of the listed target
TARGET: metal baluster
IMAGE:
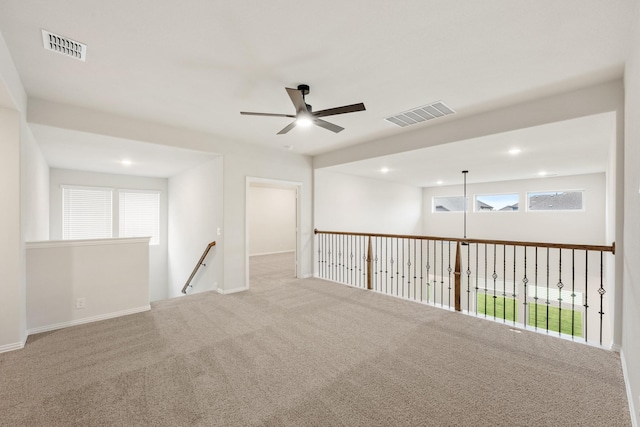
(468, 277)
(403, 281)
(586, 293)
(414, 267)
(547, 300)
(441, 273)
(573, 292)
(525, 281)
(495, 277)
(449, 270)
(434, 289)
(477, 270)
(485, 280)
(391, 262)
(560, 285)
(513, 295)
(535, 296)
(421, 270)
(397, 266)
(601, 291)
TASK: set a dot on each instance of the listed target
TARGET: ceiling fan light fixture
(304, 121)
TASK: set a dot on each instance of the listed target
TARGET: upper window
(139, 214)
(497, 202)
(449, 204)
(86, 213)
(556, 201)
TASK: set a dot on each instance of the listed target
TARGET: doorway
(272, 224)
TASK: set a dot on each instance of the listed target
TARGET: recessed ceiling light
(384, 169)
(126, 162)
(515, 151)
(440, 182)
(542, 173)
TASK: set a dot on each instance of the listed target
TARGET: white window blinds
(86, 213)
(140, 214)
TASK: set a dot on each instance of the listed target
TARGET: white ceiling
(572, 147)
(197, 64)
(66, 149)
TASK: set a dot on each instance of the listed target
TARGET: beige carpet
(306, 353)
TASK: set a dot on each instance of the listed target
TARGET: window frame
(475, 201)
(583, 200)
(115, 218)
(118, 226)
(433, 204)
(64, 229)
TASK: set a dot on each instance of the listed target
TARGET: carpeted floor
(294, 352)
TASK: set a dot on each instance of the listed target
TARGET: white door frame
(276, 183)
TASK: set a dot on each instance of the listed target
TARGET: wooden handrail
(200, 262)
(611, 248)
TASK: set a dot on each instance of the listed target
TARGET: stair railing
(200, 262)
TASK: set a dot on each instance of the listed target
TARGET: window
(555, 201)
(86, 213)
(89, 213)
(448, 204)
(139, 214)
(497, 202)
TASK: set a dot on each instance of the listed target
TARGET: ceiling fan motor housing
(304, 89)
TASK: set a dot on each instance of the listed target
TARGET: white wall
(34, 188)
(195, 215)
(579, 227)
(349, 203)
(241, 160)
(158, 254)
(631, 262)
(112, 275)
(12, 304)
(271, 220)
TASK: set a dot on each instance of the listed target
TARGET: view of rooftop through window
(497, 202)
(555, 201)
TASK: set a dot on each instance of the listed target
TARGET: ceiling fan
(305, 116)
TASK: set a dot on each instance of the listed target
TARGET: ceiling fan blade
(266, 114)
(297, 99)
(339, 110)
(327, 125)
(288, 128)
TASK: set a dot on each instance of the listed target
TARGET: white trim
(273, 253)
(11, 347)
(632, 411)
(88, 242)
(308, 276)
(86, 187)
(232, 291)
(88, 320)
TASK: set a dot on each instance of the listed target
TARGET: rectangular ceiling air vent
(421, 114)
(64, 46)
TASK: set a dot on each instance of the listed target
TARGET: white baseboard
(11, 347)
(76, 322)
(307, 276)
(630, 397)
(232, 291)
(272, 253)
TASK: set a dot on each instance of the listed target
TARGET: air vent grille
(64, 46)
(421, 114)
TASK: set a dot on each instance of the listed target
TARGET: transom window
(555, 200)
(497, 202)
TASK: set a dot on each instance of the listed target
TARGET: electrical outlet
(80, 303)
